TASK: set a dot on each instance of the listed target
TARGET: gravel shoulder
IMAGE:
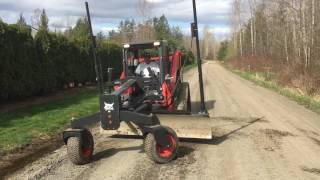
(258, 134)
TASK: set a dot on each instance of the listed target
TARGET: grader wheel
(79, 152)
(160, 154)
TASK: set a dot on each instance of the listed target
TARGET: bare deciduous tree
(208, 43)
(280, 29)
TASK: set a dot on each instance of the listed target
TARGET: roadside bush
(187, 57)
(305, 81)
(223, 51)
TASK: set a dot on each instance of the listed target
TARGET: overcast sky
(106, 14)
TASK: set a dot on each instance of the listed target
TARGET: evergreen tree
(22, 25)
(44, 21)
(161, 27)
(81, 31)
(21, 21)
(175, 38)
(126, 29)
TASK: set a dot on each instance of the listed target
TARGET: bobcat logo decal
(108, 107)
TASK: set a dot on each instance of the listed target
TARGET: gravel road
(258, 134)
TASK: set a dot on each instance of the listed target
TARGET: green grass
(264, 80)
(19, 127)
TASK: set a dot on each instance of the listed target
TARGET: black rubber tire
(75, 149)
(150, 147)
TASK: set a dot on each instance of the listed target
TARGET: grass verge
(20, 127)
(262, 79)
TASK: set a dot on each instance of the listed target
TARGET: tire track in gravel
(176, 169)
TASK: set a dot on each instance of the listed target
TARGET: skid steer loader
(149, 99)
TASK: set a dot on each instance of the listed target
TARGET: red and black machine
(157, 106)
(161, 88)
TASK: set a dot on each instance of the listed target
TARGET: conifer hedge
(48, 62)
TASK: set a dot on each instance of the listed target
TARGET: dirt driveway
(258, 135)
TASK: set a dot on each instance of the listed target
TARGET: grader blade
(186, 126)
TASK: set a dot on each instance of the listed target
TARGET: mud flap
(159, 133)
(183, 103)
(80, 133)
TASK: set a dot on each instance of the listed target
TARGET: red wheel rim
(86, 152)
(166, 152)
(87, 148)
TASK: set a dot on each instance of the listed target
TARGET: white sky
(106, 14)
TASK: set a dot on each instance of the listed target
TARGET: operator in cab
(142, 68)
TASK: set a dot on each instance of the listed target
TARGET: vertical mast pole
(94, 52)
(199, 61)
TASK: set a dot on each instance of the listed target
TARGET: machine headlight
(126, 46)
(157, 43)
